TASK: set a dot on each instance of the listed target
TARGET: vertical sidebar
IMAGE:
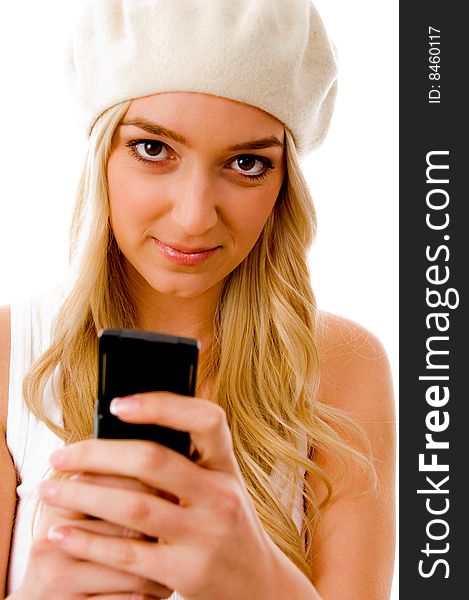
(434, 242)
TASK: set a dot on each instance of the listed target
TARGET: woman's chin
(183, 288)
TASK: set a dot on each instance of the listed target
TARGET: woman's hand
(54, 515)
(210, 544)
(52, 573)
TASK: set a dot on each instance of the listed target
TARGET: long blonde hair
(263, 366)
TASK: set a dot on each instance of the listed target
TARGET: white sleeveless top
(31, 442)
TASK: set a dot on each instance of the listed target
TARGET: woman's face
(190, 171)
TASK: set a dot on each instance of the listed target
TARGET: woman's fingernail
(120, 406)
(58, 457)
(57, 534)
(49, 489)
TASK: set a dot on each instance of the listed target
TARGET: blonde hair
(263, 364)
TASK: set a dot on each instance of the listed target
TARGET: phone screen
(133, 361)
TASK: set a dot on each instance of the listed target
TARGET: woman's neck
(186, 317)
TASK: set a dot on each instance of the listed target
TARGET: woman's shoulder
(337, 334)
(354, 367)
(355, 378)
(4, 363)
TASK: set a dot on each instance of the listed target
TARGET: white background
(353, 176)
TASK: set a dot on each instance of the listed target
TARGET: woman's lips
(185, 256)
(184, 249)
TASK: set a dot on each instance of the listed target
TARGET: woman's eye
(148, 150)
(152, 151)
(251, 166)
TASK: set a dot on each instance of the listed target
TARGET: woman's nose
(195, 202)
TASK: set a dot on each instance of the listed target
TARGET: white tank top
(31, 442)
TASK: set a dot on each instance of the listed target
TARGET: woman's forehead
(193, 113)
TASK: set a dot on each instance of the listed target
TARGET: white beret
(271, 54)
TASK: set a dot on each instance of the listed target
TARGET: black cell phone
(133, 361)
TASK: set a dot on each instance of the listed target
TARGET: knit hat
(271, 54)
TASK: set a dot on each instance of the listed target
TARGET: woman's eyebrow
(156, 129)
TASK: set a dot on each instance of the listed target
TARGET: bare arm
(7, 470)
(355, 547)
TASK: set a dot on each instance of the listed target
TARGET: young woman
(193, 218)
